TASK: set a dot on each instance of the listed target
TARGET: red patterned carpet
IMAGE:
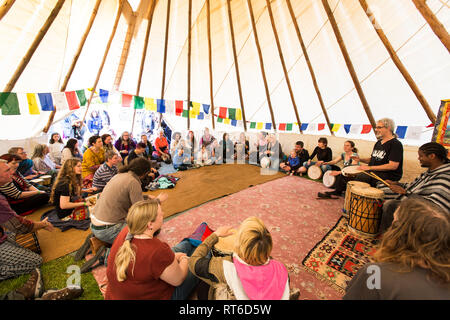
(288, 207)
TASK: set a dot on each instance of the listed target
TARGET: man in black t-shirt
(386, 160)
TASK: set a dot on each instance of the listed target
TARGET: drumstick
(373, 175)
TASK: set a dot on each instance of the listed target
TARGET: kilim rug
(339, 255)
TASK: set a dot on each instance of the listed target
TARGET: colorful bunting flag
(201, 116)
(104, 95)
(161, 107)
(185, 113)
(60, 101)
(321, 126)
(150, 104)
(259, 125)
(366, 129)
(414, 133)
(223, 112)
(206, 108)
(347, 128)
(81, 97)
(126, 100)
(252, 125)
(72, 100)
(46, 101)
(304, 126)
(139, 102)
(32, 103)
(355, 129)
(268, 126)
(234, 123)
(219, 119)
(9, 103)
(335, 127)
(238, 114)
(289, 127)
(232, 113)
(401, 131)
(195, 108)
(282, 127)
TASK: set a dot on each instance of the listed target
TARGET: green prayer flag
(232, 113)
(139, 102)
(185, 113)
(252, 125)
(9, 103)
(219, 119)
(289, 127)
(81, 97)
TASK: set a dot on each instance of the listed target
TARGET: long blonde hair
(67, 175)
(139, 215)
(419, 237)
(253, 242)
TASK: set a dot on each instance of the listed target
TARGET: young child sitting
(203, 158)
(181, 161)
(292, 164)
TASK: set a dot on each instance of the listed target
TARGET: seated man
(138, 152)
(432, 185)
(181, 161)
(26, 165)
(106, 171)
(302, 154)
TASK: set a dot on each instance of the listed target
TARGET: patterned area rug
(339, 255)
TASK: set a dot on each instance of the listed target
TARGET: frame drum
(225, 246)
(350, 171)
(365, 210)
(38, 181)
(314, 172)
(348, 192)
(47, 180)
(265, 162)
(328, 179)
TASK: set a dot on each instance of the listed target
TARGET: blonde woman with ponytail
(140, 266)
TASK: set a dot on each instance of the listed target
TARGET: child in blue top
(292, 164)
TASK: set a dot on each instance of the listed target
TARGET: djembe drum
(365, 210)
(47, 180)
(225, 245)
(350, 171)
(315, 172)
(348, 192)
(29, 241)
(328, 179)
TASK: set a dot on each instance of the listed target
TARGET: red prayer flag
(282, 127)
(223, 112)
(72, 100)
(366, 128)
(178, 107)
(321, 126)
(126, 100)
(431, 125)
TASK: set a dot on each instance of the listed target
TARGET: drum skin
(314, 172)
(328, 179)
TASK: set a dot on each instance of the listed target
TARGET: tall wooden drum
(348, 192)
(365, 210)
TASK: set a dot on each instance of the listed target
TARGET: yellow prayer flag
(196, 108)
(336, 127)
(259, 125)
(192, 114)
(238, 114)
(227, 121)
(150, 104)
(32, 103)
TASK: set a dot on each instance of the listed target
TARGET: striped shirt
(14, 189)
(103, 175)
(432, 185)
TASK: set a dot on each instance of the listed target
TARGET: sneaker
(324, 195)
(83, 249)
(68, 293)
(34, 287)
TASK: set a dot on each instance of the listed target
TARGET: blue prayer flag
(201, 116)
(46, 101)
(161, 106)
(104, 95)
(304, 126)
(206, 108)
(234, 123)
(401, 131)
(268, 126)
(347, 128)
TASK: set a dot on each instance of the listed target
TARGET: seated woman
(124, 144)
(108, 146)
(292, 164)
(22, 196)
(71, 151)
(206, 140)
(149, 149)
(324, 154)
(216, 153)
(191, 147)
(92, 160)
(203, 157)
(241, 149)
(66, 192)
(261, 146)
(341, 182)
(55, 146)
(250, 273)
(227, 148)
(272, 154)
(412, 262)
(176, 139)
(140, 266)
(42, 161)
(162, 149)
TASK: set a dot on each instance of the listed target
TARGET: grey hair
(388, 123)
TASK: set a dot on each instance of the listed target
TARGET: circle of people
(415, 221)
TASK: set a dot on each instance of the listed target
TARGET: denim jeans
(108, 235)
(183, 291)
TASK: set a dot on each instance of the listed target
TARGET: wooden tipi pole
(310, 67)
(211, 92)
(189, 66)
(261, 62)
(105, 55)
(401, 67)
(144, 53)
(74, 61)
(349, 64)
(433, 22)
(236, 63)
(283, 64)
(27, 57)
(4, 8)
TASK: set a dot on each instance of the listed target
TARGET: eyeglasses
(379, 127)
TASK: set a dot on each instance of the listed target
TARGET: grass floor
(55, 276)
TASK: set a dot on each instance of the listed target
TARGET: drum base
(362, 234)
